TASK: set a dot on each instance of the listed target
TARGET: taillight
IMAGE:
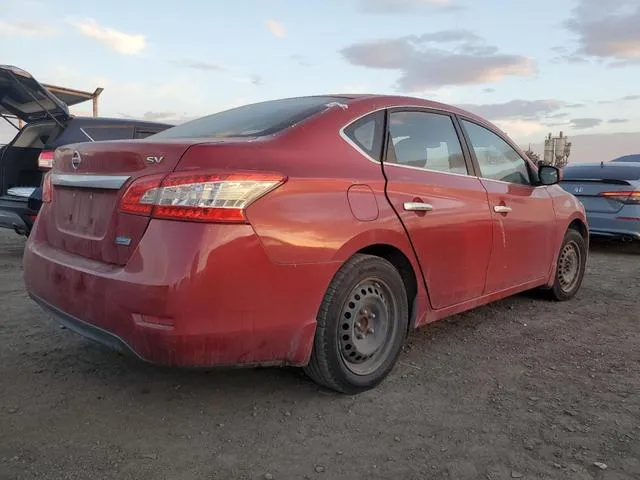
(47, 193)
(198, 197)
(628, 198)
(45, 160)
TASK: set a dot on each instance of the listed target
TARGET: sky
(529, 67)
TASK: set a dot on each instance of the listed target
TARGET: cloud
(558, 115)
(197, 65)
(488, 90)
(301, 60)
(158, 116)
(237, 75)
(631, 98)
(525, 109)
(405, 6)
(276, 28)
(607, 30)
(424, 63)
(618, 120)
(123, 43)
(519, 128)
(575, 105)
(26, 29)
(584, 123)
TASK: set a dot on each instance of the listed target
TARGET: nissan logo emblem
(75, 160)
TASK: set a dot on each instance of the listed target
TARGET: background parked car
(610, 193)
(49, 125)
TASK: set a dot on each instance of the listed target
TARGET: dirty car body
(230, 240)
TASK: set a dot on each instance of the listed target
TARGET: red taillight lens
(198, 197)
(45, 160)
(47, 191)
(141, 195)
(628, 198)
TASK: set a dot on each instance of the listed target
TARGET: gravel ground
(524, 388)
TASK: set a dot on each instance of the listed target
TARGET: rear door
(523, 214)
(442, 204)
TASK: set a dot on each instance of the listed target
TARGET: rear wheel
(361, 326)
(572, 261)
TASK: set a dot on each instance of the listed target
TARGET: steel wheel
(570, 266)
(365, 333)
(569, 263)
(361, 326)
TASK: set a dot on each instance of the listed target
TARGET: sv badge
(155, 160)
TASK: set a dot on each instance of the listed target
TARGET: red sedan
(313, 231)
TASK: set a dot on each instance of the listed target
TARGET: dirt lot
(524, 388)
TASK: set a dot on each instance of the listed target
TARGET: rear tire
(571, 266)
(361, 326)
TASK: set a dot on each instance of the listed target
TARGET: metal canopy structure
(74, 97)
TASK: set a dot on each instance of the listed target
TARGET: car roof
(391, 101)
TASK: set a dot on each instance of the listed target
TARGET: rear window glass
(98, 133)
(146, 132)
(264, 118)
(616, 171)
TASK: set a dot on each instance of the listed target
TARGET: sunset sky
(570, 65)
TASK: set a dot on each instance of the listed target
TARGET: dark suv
(49, 125)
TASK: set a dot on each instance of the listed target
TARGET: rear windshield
(264, 118)
(616, 171)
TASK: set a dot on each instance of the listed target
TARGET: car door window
(425, 140)
(496, 158)
(367, 134)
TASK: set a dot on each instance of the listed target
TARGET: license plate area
(84, 212)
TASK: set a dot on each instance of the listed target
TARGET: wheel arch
(393, 246)
(403, 265)
(579, 226)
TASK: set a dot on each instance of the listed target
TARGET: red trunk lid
(88, 182)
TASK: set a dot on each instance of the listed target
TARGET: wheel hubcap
(366, 327)
(569, 264)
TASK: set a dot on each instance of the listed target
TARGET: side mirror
(548, 175)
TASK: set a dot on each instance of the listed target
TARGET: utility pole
(557, 150)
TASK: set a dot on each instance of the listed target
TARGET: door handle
(501, 209)
(418, 207)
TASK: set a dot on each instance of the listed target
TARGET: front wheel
(361, 326)
(572, 261)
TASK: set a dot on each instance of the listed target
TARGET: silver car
(610, 193)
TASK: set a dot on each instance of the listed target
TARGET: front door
(442, 204)
(523, 214)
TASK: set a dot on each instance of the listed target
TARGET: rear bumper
(85, 329)
(191, 295)
(616, 225)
